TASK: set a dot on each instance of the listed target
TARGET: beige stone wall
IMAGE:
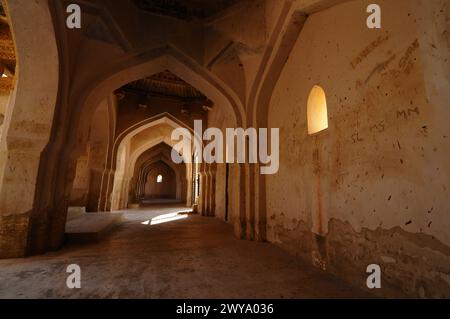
(377, 179)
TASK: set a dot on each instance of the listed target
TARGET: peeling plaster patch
(414, 264)
(446, 277)
(318, 261)
(21, 144)
(13, 234)
(418, 257)
(388, 260)
(32, 127)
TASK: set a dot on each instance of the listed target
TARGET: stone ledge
(91, 227)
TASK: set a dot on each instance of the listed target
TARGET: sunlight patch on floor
(165, 218)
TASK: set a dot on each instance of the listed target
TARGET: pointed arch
(144, 64)
(124, 167)
(78, 102)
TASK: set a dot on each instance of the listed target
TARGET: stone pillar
(94, 195)
(212, 191)
(28, 120)
(106, 190)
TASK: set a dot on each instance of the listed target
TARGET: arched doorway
(73, 135)
(160, 182)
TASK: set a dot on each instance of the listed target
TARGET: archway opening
(158, 188)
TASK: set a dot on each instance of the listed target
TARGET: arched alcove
(160, 182)
(317, 112)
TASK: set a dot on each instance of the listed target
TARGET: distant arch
(180, 172)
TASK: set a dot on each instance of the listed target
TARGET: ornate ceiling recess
(166, 85)
(184, 9)
(7, 54)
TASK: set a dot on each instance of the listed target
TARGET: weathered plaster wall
(376, 182)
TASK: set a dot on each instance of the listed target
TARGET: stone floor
(191, 257)
(88, 227)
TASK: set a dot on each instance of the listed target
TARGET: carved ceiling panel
(185, 9)
(166, 85)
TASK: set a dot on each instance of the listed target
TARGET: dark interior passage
(160, 182)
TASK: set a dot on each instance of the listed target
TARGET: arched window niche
(317, 110)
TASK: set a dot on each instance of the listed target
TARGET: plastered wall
(376, 181)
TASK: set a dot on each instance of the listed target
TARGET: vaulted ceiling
(184, 9)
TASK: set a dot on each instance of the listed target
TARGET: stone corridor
(194, 257)
(309, 140)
